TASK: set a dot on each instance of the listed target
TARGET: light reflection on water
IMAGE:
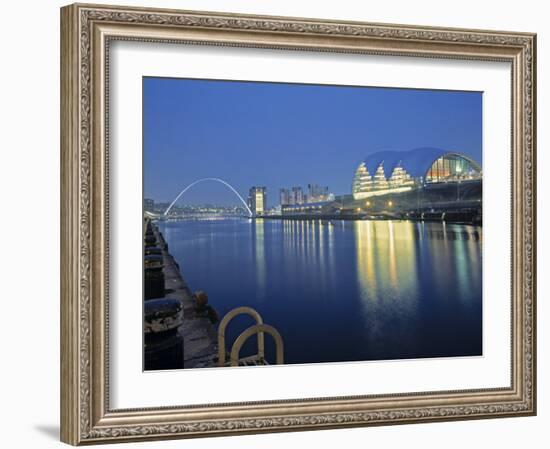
(342, 290)
(386, 270)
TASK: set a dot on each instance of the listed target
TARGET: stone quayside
(197, 333)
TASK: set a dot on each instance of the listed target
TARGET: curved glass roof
(416, 162)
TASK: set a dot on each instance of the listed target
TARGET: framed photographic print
(279, 224)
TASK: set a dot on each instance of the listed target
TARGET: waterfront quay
(195, 332)
(444, 202)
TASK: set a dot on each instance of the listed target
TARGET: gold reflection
(386, 264)
(310, 237)
(259, 252)
(301, 237)
(330, 249)
(321, 243)
(309, 251)
(392, 256)
(365, 257)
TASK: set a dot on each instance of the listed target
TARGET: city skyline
(366, 202)
(285, 135)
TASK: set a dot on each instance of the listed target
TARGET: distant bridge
(221, 181)
(151, 215)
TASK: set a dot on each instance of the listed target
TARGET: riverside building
(257, 200)
(399, 171)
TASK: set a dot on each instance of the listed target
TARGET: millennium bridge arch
(221, 181)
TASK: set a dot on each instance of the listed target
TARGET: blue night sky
(281, 135)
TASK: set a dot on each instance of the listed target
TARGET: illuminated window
(380, 181)
(362, 181)
(452, 167)
(400, 178)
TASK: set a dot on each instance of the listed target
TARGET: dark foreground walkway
(200, 349)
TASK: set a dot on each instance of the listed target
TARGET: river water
(341, 290)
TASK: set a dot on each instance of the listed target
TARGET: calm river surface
(341, 290)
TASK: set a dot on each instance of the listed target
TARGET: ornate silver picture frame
(87, 33)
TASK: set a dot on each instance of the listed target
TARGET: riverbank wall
(200, 348)
(455, 218)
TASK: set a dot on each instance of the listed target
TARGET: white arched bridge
(221, 181)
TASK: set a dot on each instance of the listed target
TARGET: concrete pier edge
(200, 347)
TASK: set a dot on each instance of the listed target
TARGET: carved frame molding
(87, 31)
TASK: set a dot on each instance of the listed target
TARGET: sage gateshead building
(399, 171)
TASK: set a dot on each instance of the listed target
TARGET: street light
(390, 203)
(367, 203)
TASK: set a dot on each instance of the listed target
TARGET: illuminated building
(317, 193)
(399, 171)
(297, 195)
(317, 208)
(257, 200)
(285, 197)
